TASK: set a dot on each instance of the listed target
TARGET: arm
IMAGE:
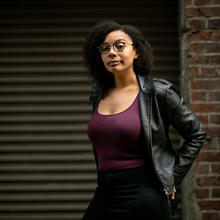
(189, 127)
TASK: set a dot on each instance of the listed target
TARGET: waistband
(122, 171)
(115, 176)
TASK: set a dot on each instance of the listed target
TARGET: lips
(114, 62)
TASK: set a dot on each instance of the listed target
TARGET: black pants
(131, 193)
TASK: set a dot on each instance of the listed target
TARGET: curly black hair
(142, 65)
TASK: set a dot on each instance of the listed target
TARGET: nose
(111, 52)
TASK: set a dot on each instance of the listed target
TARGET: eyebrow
(115, 41)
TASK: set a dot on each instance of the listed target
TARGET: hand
(173, 193)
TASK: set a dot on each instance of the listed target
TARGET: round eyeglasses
(118, 46)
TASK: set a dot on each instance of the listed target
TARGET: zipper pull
(166, 192)
(168, 199)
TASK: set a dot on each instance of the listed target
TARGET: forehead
(116, 35)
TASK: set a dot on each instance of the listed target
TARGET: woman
(137, 167)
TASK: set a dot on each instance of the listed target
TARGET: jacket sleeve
(189, 127)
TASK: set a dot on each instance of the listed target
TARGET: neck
(123, 80)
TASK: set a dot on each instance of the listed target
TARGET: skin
(120, 64)
(126, 85)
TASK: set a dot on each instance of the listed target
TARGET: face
(117, 52)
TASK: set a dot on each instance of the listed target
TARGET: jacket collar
(146, 85)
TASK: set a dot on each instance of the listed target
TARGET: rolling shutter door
(47, 168)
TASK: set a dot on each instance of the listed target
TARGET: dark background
(47, 169)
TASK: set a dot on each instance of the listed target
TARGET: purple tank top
(117, 138)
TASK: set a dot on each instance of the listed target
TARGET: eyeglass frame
(115, 49)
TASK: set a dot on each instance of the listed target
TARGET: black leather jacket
(161, 106)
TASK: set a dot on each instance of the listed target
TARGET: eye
(105, 48)
(120, 46)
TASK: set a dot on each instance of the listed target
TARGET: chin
(115, 71)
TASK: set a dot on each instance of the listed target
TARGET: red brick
(194, 72)
(204, 48)
(205, 108)
(217, 10)
(215, 119)
(209, 11)
(199, 96)
(211, 144)
(208, 181)
(192, 12)
(212, 131)
(213, 48)
(216, 193)
(213, 59)
(203, 2)
(210, 72)
(216, 108)
(206, 84)
(188, 2)
(196, 24)
(209, 156)
(214, 96)
(202, 11)
(202, 35)
(204, 58)
(202, 193)
(203, 119)
(209, 205)
(216, 36)
(198, 48)
(201, 168)
(202, 108)
(214, 23)
(215, 168)
(210, 216)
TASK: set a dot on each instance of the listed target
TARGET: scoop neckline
(106, 115)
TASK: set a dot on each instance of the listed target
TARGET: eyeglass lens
(118, 46)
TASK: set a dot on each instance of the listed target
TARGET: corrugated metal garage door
(47, 169)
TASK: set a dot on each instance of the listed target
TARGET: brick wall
(201, 36)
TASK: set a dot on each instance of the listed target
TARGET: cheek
(128, 57)
(103, 59)
(105, 64)
(128, 60)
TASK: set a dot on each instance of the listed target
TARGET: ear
(136, 54)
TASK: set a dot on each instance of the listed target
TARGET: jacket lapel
(145, 97)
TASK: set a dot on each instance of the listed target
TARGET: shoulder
(163, 87)
(95, 90)
(161, 84)
(95, 93)
(167, 94)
